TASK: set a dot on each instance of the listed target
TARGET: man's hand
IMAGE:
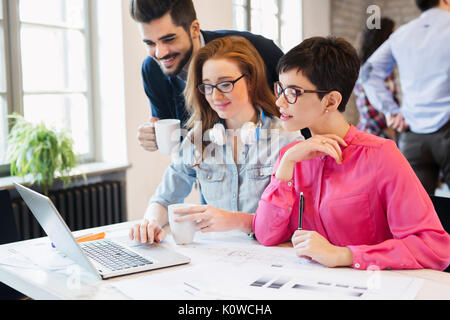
(397, 122)
(146, 135)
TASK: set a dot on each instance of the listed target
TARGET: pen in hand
(301, 207)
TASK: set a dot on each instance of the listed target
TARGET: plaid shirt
(370, 119)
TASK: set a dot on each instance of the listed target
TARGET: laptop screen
(55, 227)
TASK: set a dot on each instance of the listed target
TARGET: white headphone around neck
(250, 132)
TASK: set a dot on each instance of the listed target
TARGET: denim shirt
(225, 184)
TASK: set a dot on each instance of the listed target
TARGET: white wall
(215, 14)
(316, 18)
(148, 168)
(109, 91)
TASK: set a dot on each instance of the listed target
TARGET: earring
(326, 110)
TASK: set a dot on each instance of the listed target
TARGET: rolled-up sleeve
(176, 185)
(373, 74)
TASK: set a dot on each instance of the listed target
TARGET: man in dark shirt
(171, 33)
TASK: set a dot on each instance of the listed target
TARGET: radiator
(81, 207)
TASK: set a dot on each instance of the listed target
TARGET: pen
(301, 207)
(88, 237)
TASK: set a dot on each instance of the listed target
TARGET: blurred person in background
(370, 119)
(421, 53)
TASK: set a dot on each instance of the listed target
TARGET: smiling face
(308, 111)
(170, 45)
(234, 107)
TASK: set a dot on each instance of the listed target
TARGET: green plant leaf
(40, 152)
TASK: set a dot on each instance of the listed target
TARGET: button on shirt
(421, 51)
(225, 184)
(372, 203)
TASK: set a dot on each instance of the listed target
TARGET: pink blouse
(372, 203)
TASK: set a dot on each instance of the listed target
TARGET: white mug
(167, 135)
(182, 232)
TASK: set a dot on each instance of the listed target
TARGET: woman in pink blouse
(363, 205)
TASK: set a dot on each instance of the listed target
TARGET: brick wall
(348, 18)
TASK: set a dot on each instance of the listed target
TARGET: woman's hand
(318, 145)
(211, 219)
(312, 245)
(147, 231)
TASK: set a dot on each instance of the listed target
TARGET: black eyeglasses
(224, 87)
(291, 94)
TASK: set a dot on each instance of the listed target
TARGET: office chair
(442, 207)
(8, 233)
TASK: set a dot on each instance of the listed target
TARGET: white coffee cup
(182, 232)
(167, 135)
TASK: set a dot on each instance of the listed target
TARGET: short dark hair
(424, 5)
(372, 38)
(329, 63)
(182, 11)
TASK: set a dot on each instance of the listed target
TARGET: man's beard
(182, 63)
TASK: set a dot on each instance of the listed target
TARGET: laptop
(103, 258)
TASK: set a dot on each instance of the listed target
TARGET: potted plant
(40, 153)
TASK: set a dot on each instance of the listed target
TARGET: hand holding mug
(146, 135)
(208, 218)
(167, 132)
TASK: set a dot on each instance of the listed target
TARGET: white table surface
(39, 283)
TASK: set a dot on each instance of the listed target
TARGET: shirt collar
(351, 134)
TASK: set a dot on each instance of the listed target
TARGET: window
(3, 89)
(45, 67)
(279, 20)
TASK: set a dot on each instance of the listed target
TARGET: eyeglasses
(291, 94)
(224, 87)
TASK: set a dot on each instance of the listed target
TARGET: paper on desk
(239, 251)
(225, 281)
(230, 247)
(179, 284)
(44, 256)
(14, 259)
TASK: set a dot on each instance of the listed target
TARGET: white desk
(39, 283)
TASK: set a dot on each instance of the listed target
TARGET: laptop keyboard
(112, 255)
